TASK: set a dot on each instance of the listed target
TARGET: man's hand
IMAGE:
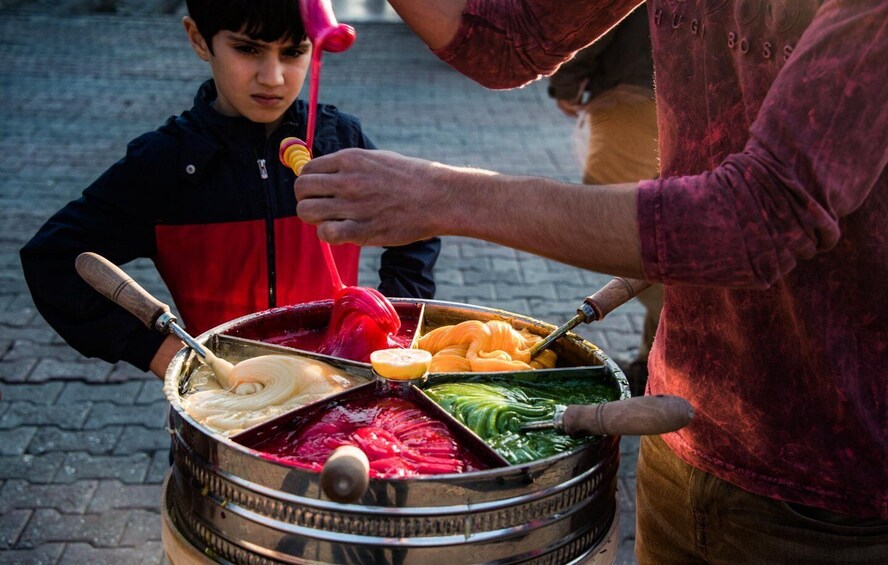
(373, 197)
(570, 108)
(382, 198)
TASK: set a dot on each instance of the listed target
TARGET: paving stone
(514, 305)
(140, 438)
(15, 441)
(626, 486)
(115, 495)
(51, 369)
(544, 276)
(118, 393)
(150, 553)
(37, 468)
(551, 311)
(471, 278)
(95, 442)
(614, 343)
(594, 280)
(46, 554)
(99, 530)
(143, 526)
(19, 318)
(127, 468)
(626, 551)
(152, 415)
(481, 294)
(152, 391)
(16, 371)
(505, 265)
(524, 292)
(629, 444)
(11, 526)
(160, 466)
(44, 393)
(501, 255)
(23, 300)
(40, 333)
(627, 528)
(123, 372)
(20, 494)
(70, 416)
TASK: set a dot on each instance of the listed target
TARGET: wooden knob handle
(117, 286)
(346, 474)
(643, 415)
(615, 293)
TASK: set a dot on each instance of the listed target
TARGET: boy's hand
(161, 360)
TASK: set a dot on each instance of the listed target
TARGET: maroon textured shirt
(769, 225)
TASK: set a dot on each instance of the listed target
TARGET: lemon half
(401, 364)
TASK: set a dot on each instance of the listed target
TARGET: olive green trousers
(686, 516)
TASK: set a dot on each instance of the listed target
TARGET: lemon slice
(401, 364)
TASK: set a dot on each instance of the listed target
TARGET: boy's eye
(246, 49)
(294, 52)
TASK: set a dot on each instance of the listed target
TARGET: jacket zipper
(269, 236)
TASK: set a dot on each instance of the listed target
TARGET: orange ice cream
(483, 347)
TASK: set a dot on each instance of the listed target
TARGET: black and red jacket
(206, 199)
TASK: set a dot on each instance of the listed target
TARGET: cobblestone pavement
(83, 448)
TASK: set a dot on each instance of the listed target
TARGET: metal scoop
(120, 288)
(595, 307)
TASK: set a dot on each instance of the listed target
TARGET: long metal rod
(166, 323)
(571, 324)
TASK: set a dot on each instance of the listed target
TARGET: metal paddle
(595, 307)
(639, 416)
(113, 283)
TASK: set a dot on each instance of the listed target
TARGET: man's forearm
(383, 198)
(589, 226)
(434, 21)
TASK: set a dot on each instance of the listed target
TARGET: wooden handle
(346, 474)
(643, 415)
(615, 293)
(117, 286)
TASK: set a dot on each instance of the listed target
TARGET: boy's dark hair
(263, 20)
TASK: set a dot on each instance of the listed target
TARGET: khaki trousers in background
(685, 515)
(622, 124)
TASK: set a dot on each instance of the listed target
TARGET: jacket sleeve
(809, 161)
(113, 218)
(406, 271)
(509, 43)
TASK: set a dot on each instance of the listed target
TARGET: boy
(206, 198)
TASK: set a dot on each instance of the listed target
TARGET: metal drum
(232, 505)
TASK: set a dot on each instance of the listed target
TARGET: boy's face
(254, 79)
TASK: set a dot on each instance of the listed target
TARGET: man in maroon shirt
(767, 226)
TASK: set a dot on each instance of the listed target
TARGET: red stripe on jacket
(233, 279)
